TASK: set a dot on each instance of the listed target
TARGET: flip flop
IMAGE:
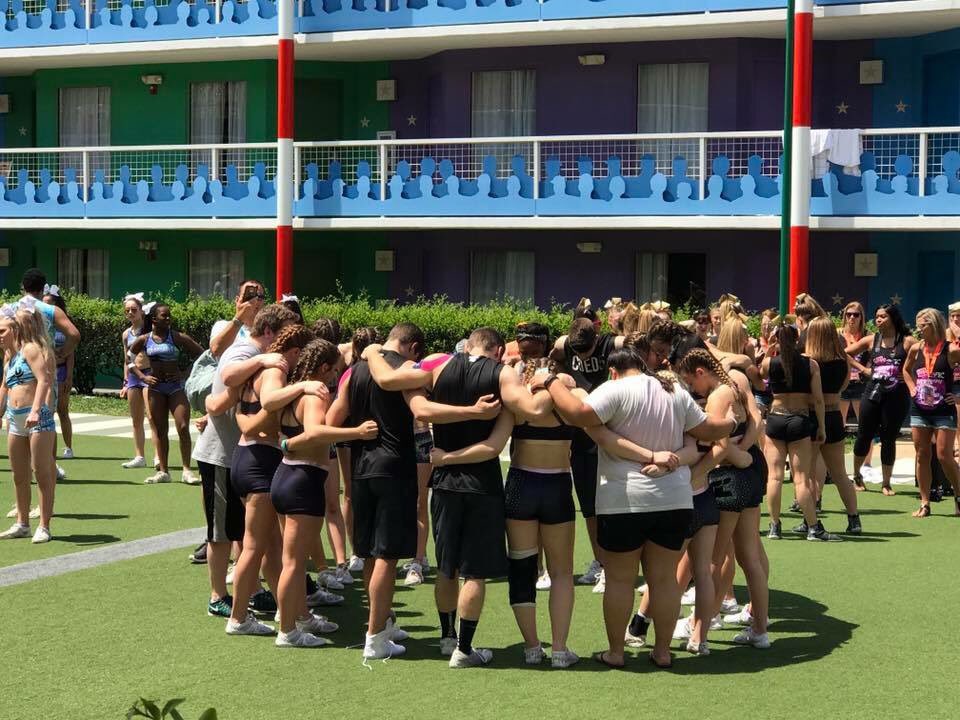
(658, 665)
(600, 657)
(923, 512)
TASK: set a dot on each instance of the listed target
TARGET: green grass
(105, 405)
(861, 629)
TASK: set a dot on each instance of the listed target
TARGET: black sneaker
(795, 507)
(818, 534)
(802, 528)
(199, 556)
(853, 525)
(948, 491)
(311, 585)
(936, 494)
(819, 509)
(220, 608)
(262, 602)
(774, 532)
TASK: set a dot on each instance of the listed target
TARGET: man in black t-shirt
(583, 354)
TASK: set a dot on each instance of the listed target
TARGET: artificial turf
(860, 629)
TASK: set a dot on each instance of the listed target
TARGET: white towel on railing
(840, 147)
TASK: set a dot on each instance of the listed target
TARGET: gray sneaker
(774, 533)
(818, 534)
(478, 658)
(562, 659)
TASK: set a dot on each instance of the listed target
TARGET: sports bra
(18, 372)
(290, 431)
(59, 340)
(801, 376)
(250, 407)
(526, 431)
(833, 373)
(162, 351)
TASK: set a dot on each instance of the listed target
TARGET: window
(678, 278)
(215, 272)
(218, 114)
(673, 98)
(496, 275)
(504, 103)
(651, 276)
(85, 271)
(84, 116)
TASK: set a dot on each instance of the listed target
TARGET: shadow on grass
(85, 481)
(78, 539)
(89, 516)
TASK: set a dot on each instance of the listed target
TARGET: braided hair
(704, 359)
(361, 338)
(290, 337)
(315, 355)
(530, 368)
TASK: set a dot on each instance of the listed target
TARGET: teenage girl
(64, 378)
(136, 367)
(165, 394)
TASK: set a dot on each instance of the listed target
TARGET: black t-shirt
(392, 453)
(588, 374)
(463, 381)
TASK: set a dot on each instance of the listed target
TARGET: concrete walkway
(114, 426)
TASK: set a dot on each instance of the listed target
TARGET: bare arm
(816, 394)
(218, 403)
(316, 432)
(235, 374)
(482, 451)
(41, 371)
(519, 400)
(137, 346)
(425, 410)
(571, 408)
(340, 409)
(64, 325)
(405, 377)
(908, 366)
(864, 343)
(557, 354)
(621, 447)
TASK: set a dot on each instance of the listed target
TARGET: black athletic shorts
(834, 427)
(705, 512)
(790, 428)
(221, 504)
(737, 489)
(384, 517)
(298, 490)
(469, 531)
(547, 497)
(853, 391)
(583, 466)
(626, 532)
(252, 468)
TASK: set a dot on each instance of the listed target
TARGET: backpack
(200, 382)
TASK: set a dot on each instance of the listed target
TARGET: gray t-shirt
(639, 409)
(219, 439)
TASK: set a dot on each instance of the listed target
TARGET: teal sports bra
(18, 372)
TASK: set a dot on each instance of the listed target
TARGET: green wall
(21, 115)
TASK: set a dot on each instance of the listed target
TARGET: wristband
(283, 447)
(549, 381)
(238, 322)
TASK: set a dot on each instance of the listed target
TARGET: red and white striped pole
(284, 177)
(800, 167)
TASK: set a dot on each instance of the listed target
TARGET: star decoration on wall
(23, 131)
(412, 120)
(364, 122)
(842, 107)
(410, 291)
(895, 299)
(901, 106)
(837, 299)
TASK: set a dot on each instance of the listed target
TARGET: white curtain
(215, 272)
(504, 103)
(651, 276)
(84, 116)
(218, 114)
(497, 275)
(85, 271)
(673, 98)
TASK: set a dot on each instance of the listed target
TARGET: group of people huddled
(669, 435)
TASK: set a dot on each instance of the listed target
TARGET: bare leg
(259, 540)
(180, 409)
(298, 530)
(922, 444)
(558, 543)
(334, 517)
(380, 591)
(621, 574)
(135, 401)
(776, 456)
(423, 509)
(41, 450)
(801, 457)
(158, 411)
(833, 458)
(700, 552)
(472, 595)
(748, 548)
(945, 442)
(343, 460)
(63, 413)
(660, 571)
(18, 447)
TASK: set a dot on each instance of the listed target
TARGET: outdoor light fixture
(149, 248)
(590, 247)
(153, 82)
(592, 60)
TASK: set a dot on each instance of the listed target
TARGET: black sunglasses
(853, 314)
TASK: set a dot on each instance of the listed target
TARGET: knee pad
(522, 577)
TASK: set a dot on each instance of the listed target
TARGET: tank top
(165, 351)
(18, 371)
(800, 373)
(833, 373)
(392, 454)
(463, 380)
(887, 364)
(934, 384)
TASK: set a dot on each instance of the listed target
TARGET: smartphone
(250, 292)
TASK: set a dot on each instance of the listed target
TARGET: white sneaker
(380, 646)
(744, 617)
(761, 641)
(298, 639)
(543, 582)
(157, 477)
(61, 473)
(634, 641)
(343, 576)
(478, 658)
(414, 575)
(329, 580)
(590, 575)
(323, 597)
(643, 589)
(13, 512)
(187, 477)
(716, 623)
(683, 629)
(249, 626)
(730, 606)
(156, 462)
(34, 513)
(447, 646)
(316, 625)
(394, 632)
(701, 649)
(16, 531)
(689, 597)
(562, 659)
(534, 655)
(68, 453)
(42, 535)
(601, 583)
(230, 570)
(355, 565)
(137, 462)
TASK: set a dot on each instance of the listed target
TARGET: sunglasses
(853, 314)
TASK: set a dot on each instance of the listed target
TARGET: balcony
(40, 23)
(906, 178)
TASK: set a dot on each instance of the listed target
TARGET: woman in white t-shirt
(640, 518)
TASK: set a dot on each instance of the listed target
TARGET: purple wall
(439, 262)
(746, 85)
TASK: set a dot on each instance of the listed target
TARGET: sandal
(923, 512)
(888, 491)
(858, 483)
(601, 657)
(657, 665)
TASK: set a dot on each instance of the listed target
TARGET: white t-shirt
(243, 334)
(638, 408)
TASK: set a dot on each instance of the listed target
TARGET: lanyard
(928, 361)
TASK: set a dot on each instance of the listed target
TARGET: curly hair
(292, 336)
(316, 354)
(667, 331)
(328, 329)
(361, 338)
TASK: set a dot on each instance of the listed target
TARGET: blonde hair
(733, 336)
(807, 307)
(935, 318)
(862, 324)
(822, 341)
(730, 308)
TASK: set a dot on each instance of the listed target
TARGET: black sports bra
(560, 432)
(833, 373)
(290, 431)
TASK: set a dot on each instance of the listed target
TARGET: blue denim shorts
(934, 422)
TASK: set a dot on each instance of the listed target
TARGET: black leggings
(885, 417)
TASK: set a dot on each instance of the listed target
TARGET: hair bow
(28, 303)
(9, 310)
(148, 307)
(51, 290)
(138, 296)
(614, 302)
(729, 297)
(584, 303)
(775, 319)
(647, 307)
(289, 298)
(659, 305)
